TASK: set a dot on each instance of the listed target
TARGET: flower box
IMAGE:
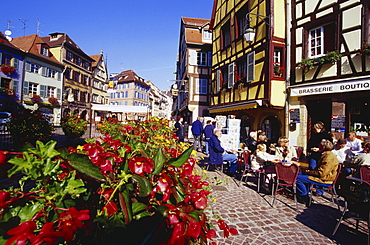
(7, 69)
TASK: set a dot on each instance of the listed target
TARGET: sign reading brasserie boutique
(339, 87)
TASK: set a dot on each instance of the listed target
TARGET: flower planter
(8, 70)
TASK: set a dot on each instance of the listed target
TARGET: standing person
(284, 151)
(322, 175)
(180, 132)
(318, 133)
(251, 142)
(208, 132)
(197, 131)
(217, 154)
(354, 144)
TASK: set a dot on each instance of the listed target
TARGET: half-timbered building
(330, 71)
(248, 76)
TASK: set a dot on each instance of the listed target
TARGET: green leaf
(45, 151)
(29, 165)
(177, 162)
(64, 152)
(145, 188)
(124, 201)
(83, 165)
(27, 212)
(159, 159)
(138, 207)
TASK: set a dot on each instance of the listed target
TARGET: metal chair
(365, 173)
(286, 176)
(357, 201)
(330, 189)
(248, 170)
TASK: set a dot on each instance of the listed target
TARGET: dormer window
(44, 51)
(207, 35)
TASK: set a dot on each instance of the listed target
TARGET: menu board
(294, 115)
(338, 123)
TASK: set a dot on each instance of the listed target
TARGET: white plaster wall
(351, 17)
(353, 40)
(310, 6)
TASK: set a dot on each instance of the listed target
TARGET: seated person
(358, 160)
(261, 159)
(354, 144)
(217, 154)
(285, 152)
(322, 175)
(342, 151)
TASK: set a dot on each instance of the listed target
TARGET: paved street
(258, 222)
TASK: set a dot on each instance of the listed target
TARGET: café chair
(286, 177)
(331, 189)
(365, 173)
(356, 203)
(247, 170)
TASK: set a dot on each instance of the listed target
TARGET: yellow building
(77, 74)
(248, 76)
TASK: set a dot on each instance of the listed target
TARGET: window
(126, 94)
(202, 58)
(83, 97)
(118, 95)
(50, 92)
(226, 35)
(241, 69)
(321, 40)
(207, 35)
(202, 86)
(69, 56)
(79, 60)
(86, 65)
(277, 56)
(122, 94)
(241, 21)
(225, 75)
(32, 67)
(126, 102)
(77, 76)
(44, 51)
(76, 93)
(95, 98)
(52, 73)
(86, 80)
(218, 80)
(230, 73)
(250, 67)
(67, 73)
(32, 88)
(6, 59)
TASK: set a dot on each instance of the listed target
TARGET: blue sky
(138, 35)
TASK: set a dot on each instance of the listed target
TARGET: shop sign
(328, 88)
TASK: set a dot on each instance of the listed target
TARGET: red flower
(211, 234)
(223, 226)
(48, 235)
(141, 165)
(22, 233)
(110, 209)
(4, 199)
(3, 157)
(71, 220)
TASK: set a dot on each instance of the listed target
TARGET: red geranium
(141, 165)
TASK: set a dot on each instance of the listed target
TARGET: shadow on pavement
(323, 219)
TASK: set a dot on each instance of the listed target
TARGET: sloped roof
(194, 21)
(96, 59)
(5, 41)
(193, 29)
(130, 76)
(28, 45)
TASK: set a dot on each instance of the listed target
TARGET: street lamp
(249, 33)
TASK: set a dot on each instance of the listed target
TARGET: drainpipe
(288, 65)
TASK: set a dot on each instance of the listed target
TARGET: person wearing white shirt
(342, 151)
(354, 144)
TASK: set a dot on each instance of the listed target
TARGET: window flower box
(7, 69)
(365, 49)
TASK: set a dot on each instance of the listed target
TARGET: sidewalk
(251, 214)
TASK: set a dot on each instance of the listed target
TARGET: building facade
(330, 68)
(99, 95)
(42, 83)
(77, 74)
(130, 94)
(193, 69)
(248, 76)
(11, 74)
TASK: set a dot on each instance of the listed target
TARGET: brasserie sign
(339, 87)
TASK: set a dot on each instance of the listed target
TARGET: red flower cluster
(7, 69)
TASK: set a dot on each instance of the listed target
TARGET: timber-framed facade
(248, 78)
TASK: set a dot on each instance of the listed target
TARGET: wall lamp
(249, 32)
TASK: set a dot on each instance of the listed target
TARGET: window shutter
(209, 56)
(15, 86)
(28, 66)
(25, 88)
(1, 58)
(192, 57)
(230, 73)
(44, 71)
(15, 62)
(58, 93)
(197, 85)
(250, 67)
(59, 76)
(218, 80)
(43, 90)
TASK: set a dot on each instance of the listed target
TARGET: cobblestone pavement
(251, 213)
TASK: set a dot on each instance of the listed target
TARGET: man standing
(197, 130)
(208, 132)
(217, 154)
(179, 129)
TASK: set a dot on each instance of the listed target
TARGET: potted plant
(278, 70)
(306, 65)
(36, 98)
(53, 101)
(8, 69)
(330, 57)
(73, 127)
(365, 49)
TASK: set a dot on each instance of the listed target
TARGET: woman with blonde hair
(284, 151)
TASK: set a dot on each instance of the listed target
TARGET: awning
(236, 106)
(120, 108)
